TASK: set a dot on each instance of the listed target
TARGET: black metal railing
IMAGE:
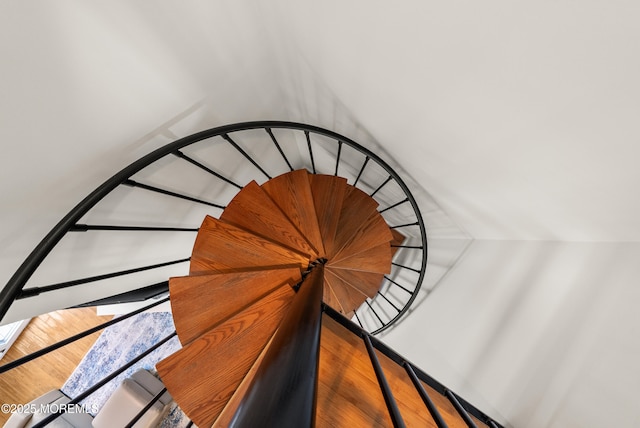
(464, 409)
(296, 346)
(299, 146)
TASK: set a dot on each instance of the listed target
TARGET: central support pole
(283, 391)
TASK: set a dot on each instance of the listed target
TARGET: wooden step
(398, 239)
(328, 196)
(329, 297)
(376, 259)
(367, 283)
(356, 208)
(199, 303)
(370, 233)
(221, 247)
(226, 415)
(203, 375)
(350, 299)
(252, 209)
(291, 192)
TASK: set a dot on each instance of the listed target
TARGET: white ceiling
(520, 119)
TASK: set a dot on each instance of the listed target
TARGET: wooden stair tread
(203, 375)
(367, 283)
(376, 259)
(370, 233)
(221, 247)
(350, 298)
(357, 206)
(229, 410)
(199, 303)
(291, 192)
(398, 239)
(329, 297)
(252, 209)
(328, 196)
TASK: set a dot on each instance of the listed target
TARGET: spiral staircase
(287, 282)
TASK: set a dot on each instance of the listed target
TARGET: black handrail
(70, 222)
(467, 409)
(283, 391)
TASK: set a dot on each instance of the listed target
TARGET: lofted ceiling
(519, 119)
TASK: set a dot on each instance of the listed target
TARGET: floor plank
(29, 381)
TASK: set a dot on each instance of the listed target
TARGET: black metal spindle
(313, 164)
(338, 157)
(405, 267)
(34, 291)
(398, 359)
(381, 186)
(414, 247)
(87, 227)
(358, 319)
(435, 414)
(202, 166)
(394, 205)
(366, 161)
(245, 154)
(394, 412)
(374, 312)
(461, 410)
(133, 183)
(404, 225)
(395, 283)
(60, 344)
(190, 424)
(273, 138)
(389, 301)
(492, 424)
(146, 408)
(104, 381)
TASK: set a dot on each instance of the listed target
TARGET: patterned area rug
(119, 344)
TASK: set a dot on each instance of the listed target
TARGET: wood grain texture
(409, 402)
(376, 259)
(201, 302)
(349, 394)
(350, 298)
(252, 209)
(203, 375)
(291, 192)
(51, 371)
(225, 417)
(328, 196)
(357, 208)
(367, 283)
(221, 247)
(398, 239)
(329, 297)
(369, 233)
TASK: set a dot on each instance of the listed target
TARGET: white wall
(86, 84)
(541, 333)
(519, 119)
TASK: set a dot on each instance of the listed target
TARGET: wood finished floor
(24, 383)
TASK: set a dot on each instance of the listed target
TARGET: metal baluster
(394, 413)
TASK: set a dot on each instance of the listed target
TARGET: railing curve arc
(14, 287)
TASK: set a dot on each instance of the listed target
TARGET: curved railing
(274, 148)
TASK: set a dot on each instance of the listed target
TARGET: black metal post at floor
(283, 391)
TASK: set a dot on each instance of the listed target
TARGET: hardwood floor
(24, 383)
